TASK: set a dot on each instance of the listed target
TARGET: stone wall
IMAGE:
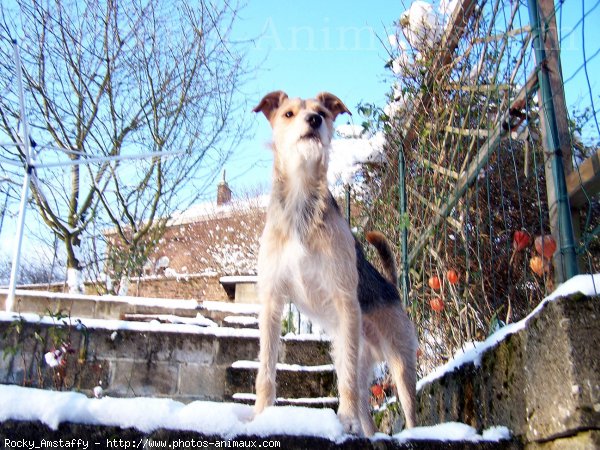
(542, 382)
(160, 362)
(199, 287)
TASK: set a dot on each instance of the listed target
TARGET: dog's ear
(332, 103)
(270, 103)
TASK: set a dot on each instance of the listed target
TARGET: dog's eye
(322, 113)
(289, 114)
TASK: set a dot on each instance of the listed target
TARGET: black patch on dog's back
(373, 289)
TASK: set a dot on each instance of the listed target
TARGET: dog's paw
(351, 424)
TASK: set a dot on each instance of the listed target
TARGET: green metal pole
(348, 207)
(403, 225)
(565, 224)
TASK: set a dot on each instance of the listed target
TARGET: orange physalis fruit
(434, 283)
(377, 390)
(538, 265)
(437, 304)
(545, 246)
(452, 276)
(521, 240)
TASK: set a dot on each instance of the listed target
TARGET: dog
(309, 255)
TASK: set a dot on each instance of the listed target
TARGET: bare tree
(107, 80)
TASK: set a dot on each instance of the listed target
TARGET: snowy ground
(228, 419)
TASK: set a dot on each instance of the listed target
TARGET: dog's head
(301, 128)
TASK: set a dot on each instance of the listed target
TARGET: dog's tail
(378, 240)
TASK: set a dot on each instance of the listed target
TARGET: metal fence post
(403, 226)
(546, 54)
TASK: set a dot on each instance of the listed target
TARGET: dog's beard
(310, 154)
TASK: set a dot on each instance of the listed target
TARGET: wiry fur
(309, 255)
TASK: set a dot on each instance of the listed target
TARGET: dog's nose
(315, 121)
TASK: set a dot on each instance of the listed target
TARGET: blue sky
(304, 48)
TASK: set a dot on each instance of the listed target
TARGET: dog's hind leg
(365, 378)
(401, 353)
(270, 331)
(405, 380)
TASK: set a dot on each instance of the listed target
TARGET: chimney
(223, 192)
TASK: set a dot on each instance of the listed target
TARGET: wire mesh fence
(479, 146)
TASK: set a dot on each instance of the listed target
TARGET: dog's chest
(296, 259)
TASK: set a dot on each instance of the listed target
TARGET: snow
(199, 320)
(280, 366)
(191, 327)
(247, 397)
(238, 308)
(349, 130)
(227, 420)
(134, 301)
(453, 431)
(231, 279)
(347, 155)
(422, 25)
(472, 352)
(240, 320)
(75, 280)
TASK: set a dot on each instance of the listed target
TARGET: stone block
(230, 349)
(305, 353)
(34, 304)
(82, 307)
(290, 383)
(562, 367)
(194, 348)
(246, 293)
(106, 309)
(142, 379)
(586, 440)
(201, 382)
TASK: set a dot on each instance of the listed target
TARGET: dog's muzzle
(315, 121)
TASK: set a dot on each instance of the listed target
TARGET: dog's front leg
(346, 357)
(270, 331)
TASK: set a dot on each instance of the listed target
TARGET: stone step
(17, 433)
(116, 307)
(181, 361)
(293, 381)
(238, 321)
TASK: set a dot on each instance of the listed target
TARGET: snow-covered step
(241, 322)
(32, 417)
(293, 380)
(199, 320)
(316, 402)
